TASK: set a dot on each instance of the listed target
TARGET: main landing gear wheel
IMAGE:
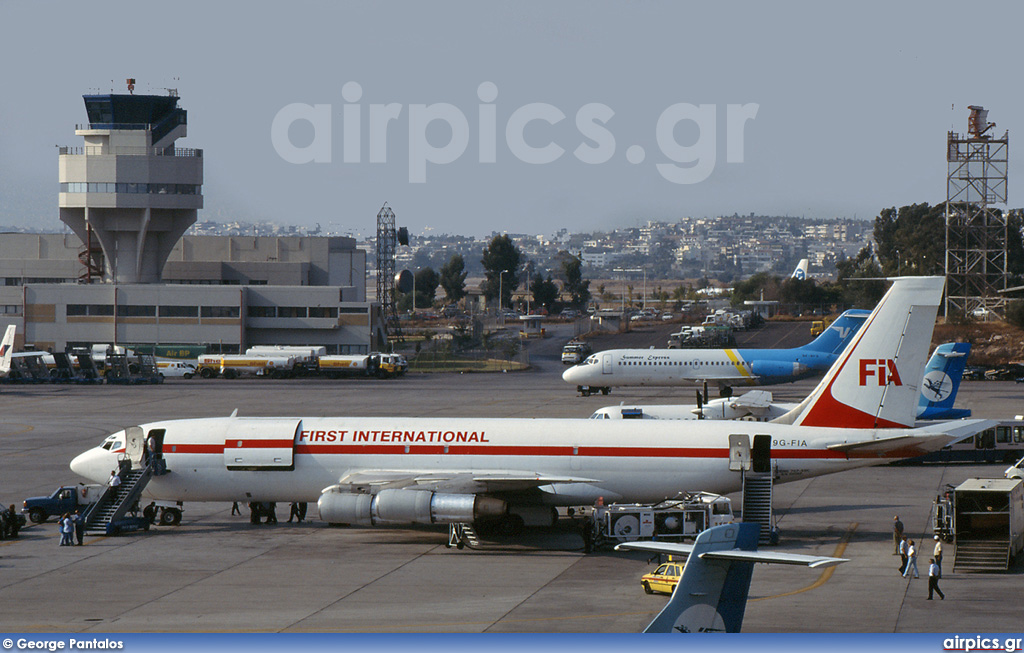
(170, 517)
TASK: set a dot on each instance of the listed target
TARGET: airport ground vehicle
(575, 351)
(67, 498)
(1003, 443)
(172, 369)
(231, 366)
(985, 517)
(676, 519)
(663, 579)
(391, 365)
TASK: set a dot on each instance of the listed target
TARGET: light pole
(898, 263)
(501, 295)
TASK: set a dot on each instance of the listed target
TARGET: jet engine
(404, 506)
(762, 368)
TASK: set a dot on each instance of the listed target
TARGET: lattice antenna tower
(386, 248)
(976, 231)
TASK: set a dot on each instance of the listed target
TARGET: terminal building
(127, 274)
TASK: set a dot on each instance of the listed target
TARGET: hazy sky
(836, 109)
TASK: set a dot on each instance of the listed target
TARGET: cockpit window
(106, 445)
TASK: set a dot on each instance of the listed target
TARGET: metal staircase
(462, 535)
(981, 555)
(757, 503)
(109, 513)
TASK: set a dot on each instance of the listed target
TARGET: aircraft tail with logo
(875, 382)
(839, 334)
(801, 270)
(6, 349)
(941, 382)
(711, 595)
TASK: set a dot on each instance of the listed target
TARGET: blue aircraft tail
(838, 334)
(711, 595)
(942, 380)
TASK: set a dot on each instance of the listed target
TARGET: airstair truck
(988, 523)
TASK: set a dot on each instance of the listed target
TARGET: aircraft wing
(753, 399)
(734, 555)
(455, 481)
(926, 438)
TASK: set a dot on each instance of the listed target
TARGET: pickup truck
(65, 499)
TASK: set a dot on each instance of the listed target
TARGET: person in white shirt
(938, 553)
(911, 559)
(115, 480)
(934, 574)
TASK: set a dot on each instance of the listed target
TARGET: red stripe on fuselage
(510, 450)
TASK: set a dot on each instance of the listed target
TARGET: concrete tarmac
(216, 572)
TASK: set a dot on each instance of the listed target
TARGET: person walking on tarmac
(934, 574)
(294, 512)
(904, 546)
(938, 553)
(911, 559)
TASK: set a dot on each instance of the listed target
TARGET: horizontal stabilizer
(736, 555)
(925, 439)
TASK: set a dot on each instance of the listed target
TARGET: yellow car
(663, 579)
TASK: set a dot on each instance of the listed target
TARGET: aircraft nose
(571, 374)
(89, 464)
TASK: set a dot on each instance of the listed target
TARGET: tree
(500, 256)
(861, 294)
(577, 287)
(426, 281)
(911, 241)
(453, 278)
(545, 292)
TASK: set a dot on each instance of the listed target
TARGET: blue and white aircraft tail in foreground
(727, 367)
(712, 592)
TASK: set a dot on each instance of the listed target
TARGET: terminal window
(291, 311)
(80, 310)
(262, 311)
(220, 311)
(179, 311)
(127, 310)
(323, 311)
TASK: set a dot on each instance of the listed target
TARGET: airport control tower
(128, 188)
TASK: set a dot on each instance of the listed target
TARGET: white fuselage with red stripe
(232, 459)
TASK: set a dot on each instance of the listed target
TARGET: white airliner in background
(369, 470)
(673, 367)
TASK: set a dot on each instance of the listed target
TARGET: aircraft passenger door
(761, 454)
(135, 445)
(739, 452)
(606, 364)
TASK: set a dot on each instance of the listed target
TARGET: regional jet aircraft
(446, 470)
(938, 393)
(672, 367)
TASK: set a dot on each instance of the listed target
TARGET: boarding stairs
(117, 502)
(981, 555)
(462, 535)
(757, 503)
